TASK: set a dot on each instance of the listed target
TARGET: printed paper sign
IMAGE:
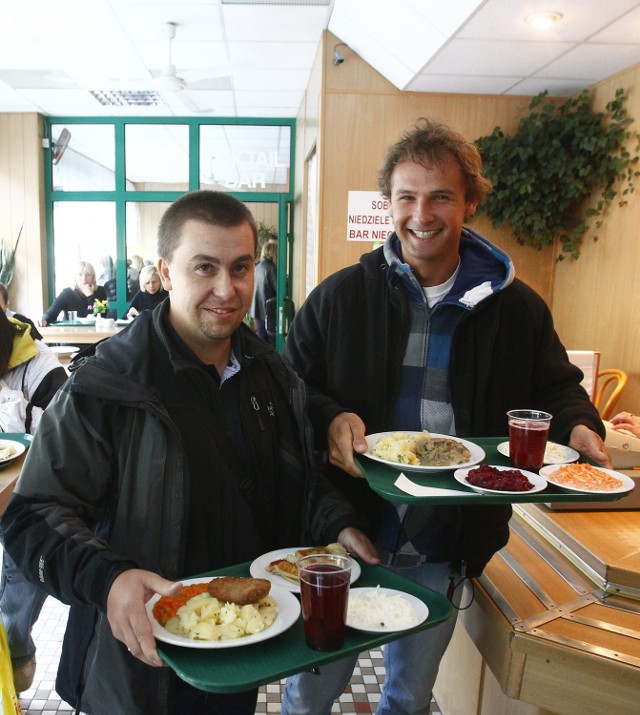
(368, 217)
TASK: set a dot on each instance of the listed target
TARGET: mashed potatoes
(206, 618)
(399, 448)
(6, 453)
(421, 449)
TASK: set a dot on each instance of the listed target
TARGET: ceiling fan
(168, 84)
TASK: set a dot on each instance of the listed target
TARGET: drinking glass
(324, 591)
(528, 433)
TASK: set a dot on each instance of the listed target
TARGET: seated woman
(150, 294)
(79, 298)
(30, 377)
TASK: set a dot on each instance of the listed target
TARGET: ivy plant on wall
(561, 156)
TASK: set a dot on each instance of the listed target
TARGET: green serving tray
(381, 478)
(234, 670)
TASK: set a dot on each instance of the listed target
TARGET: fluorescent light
(544, 20)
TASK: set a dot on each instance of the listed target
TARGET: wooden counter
(555, 623)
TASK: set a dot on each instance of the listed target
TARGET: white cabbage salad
(379, 610)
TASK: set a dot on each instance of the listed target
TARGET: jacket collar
(485, 269)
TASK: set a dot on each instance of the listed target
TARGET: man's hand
(589, 443)
(358, 544)
(127, 614)
(346, 435)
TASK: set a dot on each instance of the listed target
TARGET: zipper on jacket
(259, 413)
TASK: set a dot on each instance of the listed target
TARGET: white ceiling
(252, 59)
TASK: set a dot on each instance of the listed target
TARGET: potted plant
(100, 309)
(8, 261)
(560, 157)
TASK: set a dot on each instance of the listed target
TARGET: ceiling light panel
(324, 3)
(505, 19)
(276, 24)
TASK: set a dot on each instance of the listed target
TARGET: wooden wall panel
(596, 299)
(308, 140)
(22, 205)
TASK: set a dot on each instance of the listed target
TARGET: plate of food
(198, 619)
(554, 453)
(422, 451)
(279, 566)
(490, 479)
(10, 450)
(587, 479)
(384, 610)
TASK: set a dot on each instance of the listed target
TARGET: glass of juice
(324, 591)
(528, 433)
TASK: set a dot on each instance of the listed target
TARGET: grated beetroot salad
(504, 480)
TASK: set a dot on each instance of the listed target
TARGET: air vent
(141, 98)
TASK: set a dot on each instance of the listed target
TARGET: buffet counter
(554, 626)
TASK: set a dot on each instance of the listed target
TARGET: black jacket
(348, 341)
(105, 487)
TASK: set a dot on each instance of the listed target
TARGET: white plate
(477, 453)
(419, 607)
(288, 612)
(563, 454)
(258, 568)
(18, 446)
(539, 483)
(89, 320)
(626, 486)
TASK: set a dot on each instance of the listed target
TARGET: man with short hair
(178, 447)
(432, 332)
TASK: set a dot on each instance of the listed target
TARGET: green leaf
(7, 262)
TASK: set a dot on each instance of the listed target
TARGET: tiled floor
(361, 697)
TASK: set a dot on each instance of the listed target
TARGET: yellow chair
(614, 381)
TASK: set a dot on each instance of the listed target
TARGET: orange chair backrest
(612, 379)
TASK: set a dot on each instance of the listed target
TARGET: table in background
(76, 334)
(234, 670)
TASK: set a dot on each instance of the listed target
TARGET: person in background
(150, 294)
(107, 271)
(4, 305)
(31, 375)
(134, 266)
(266, 287)
(627, 421)
(79, 298)
(433, 332)
(181, 446)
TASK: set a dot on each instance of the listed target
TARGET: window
(110, 180)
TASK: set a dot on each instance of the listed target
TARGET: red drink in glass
(528, 432)
(324, 590)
